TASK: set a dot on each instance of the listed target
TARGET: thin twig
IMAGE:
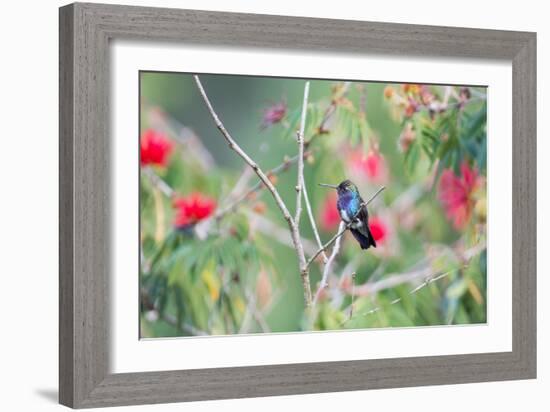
(304, 270)
(329, 112)
(428, 280)
(237, 149)
(328, 264)
(300, 173)
(423, 270)
(326, 245)
(341, 232)
(302, 180)
(426, 274)
(313, 224)
(392, 281)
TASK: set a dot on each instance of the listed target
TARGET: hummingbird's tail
(365, 241)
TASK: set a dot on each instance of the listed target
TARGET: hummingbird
(351, 209)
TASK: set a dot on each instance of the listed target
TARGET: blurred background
(216, 253)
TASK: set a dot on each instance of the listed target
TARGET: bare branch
(326, 270)
(304, 270)
(300, 174)
(329, 112)
(326, 245)
(392, 281)
(368, 202)
(429, 279)
(423, 272)
(263, 177)
(237, 149)
(312, 222)
(301, 179)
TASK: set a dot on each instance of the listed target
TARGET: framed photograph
(257, 205)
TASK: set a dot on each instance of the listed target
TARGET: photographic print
(278, 205)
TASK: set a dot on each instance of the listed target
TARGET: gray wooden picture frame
(85, 33)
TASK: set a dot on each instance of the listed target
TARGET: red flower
(192, 209)
(455, 194)
(155, 148)
(373, 165)
(274, 114)
(330, 218)
(378, 229)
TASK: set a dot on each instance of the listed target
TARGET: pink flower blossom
(372, 165)
(274, 114)
(455, 194)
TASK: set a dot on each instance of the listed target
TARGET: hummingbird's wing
(362, 227)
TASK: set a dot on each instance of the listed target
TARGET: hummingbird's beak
(327, 185)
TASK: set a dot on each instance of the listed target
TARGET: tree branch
(237, 149)
(300, 174)
(301, 179)
(326, 270)
(276, 196)
(429, 279)
(425, 273)
(304, 271)
(329, 112)
(312, 221)
(391, 281)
